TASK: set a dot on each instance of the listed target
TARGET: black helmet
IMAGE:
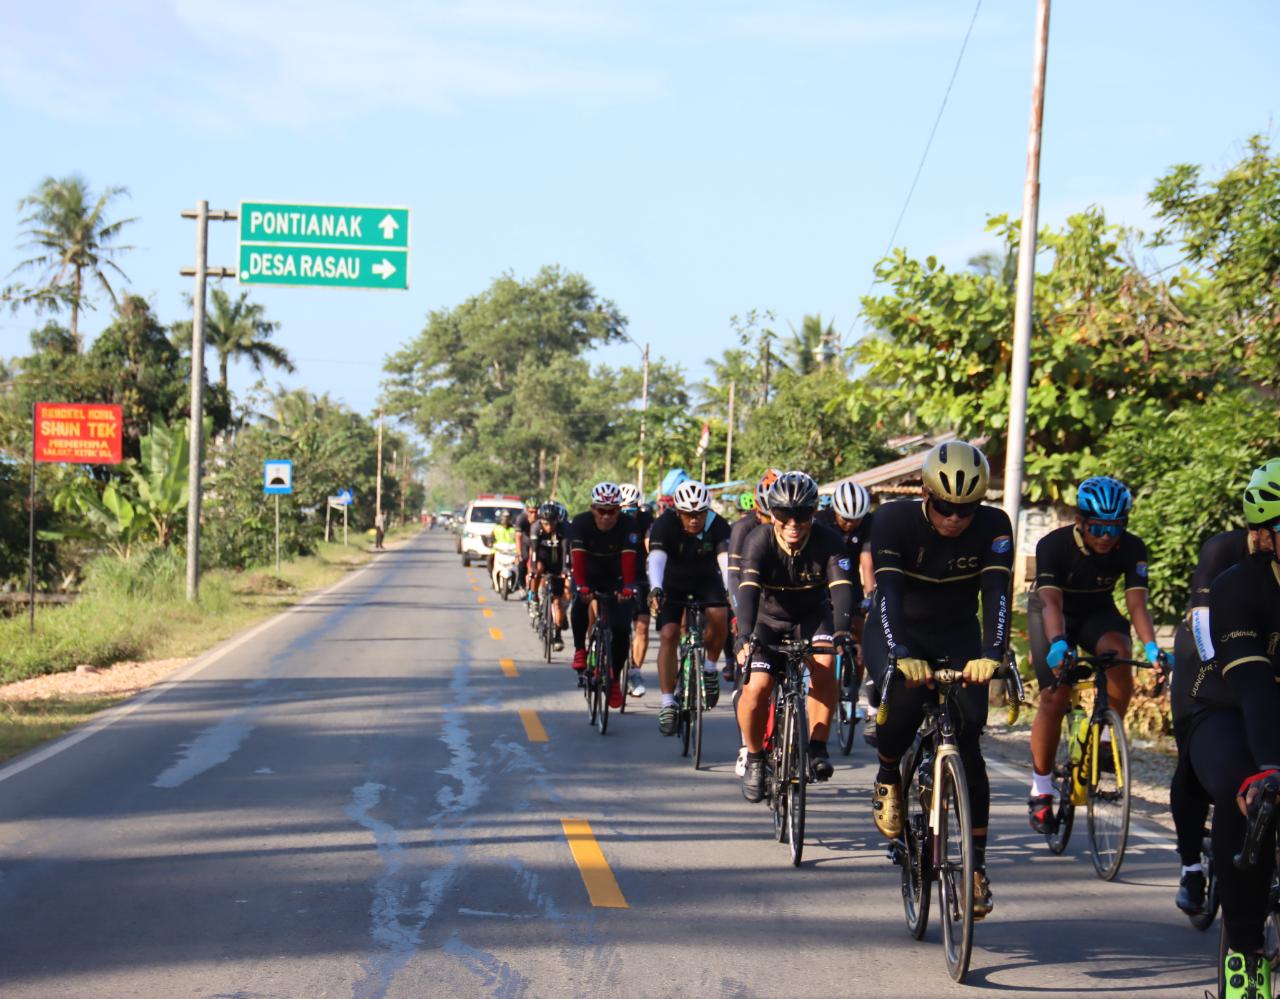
(793, 490)
(550, 512)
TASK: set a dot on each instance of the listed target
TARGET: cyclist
(1077, 567)
(524, 526)
(1233, 739)
(1192, 654)
(602, 551)
(549, 554)
(688, 561)
(632, 506)
(934, 557)
(850, 514)
(797, 582)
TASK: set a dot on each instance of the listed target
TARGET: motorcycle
(503, 573)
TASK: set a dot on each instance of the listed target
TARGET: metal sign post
(277, 481)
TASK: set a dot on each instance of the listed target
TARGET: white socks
(711, 666)
(668, 700)
(1193, 869)
(1041, 784)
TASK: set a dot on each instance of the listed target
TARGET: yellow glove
(914, 671)
(980, 670)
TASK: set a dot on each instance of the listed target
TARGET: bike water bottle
(1079, 731)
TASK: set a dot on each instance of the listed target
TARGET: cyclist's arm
(1140, 615)
(749, 588)
(890, 578)
(657, 567)
(845, 589)
(628, 560)
(995, 578)
(866, 570)
(1055, 622)
(722, 560)
(1135, 588)
(578, 561)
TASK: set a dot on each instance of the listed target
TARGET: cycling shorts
(708, 592)
(1083, 633)
(817, 628)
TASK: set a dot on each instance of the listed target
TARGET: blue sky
(692, 160)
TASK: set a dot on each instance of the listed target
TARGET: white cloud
(293, 62)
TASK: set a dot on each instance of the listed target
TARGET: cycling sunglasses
(1105, 528)
(607, 511)
(946, 508)
(789, 514)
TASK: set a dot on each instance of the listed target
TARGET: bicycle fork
(944, 751)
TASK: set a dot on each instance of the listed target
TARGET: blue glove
(1153, 652)
(1057, 652)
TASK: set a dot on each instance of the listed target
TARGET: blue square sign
(277, 477)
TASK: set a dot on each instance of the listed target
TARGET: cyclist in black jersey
(1192, 654)
(797, 582)
(850, 514)
(602, 552)
(1077, 568)
(934, 557)
(688, 561)
(549, 557)
(1232, 738)
(742, 528)
(524, 528)
(633, 507)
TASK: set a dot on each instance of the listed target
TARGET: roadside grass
(24, 724)
(138, 611)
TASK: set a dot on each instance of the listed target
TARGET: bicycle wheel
(955, 869)
(683, 701)
(546, 619)
(604, 679)
(797, 777)
(588, 679)
(777, 774)
(1109, 798)
(1062, 784)
(915, 855)
(847, 707)
(697, 703)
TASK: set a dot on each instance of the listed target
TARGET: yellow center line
(508, 667)
(495, 634)
(488, 612)
(476, 588)
(596, 875)
(481, 600)
(533, 729)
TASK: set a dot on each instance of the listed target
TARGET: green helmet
(1262, 496)
(746, 501)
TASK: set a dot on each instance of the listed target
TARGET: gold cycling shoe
(887, 810)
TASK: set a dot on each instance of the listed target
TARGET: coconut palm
(812, 346)
(239, 330)
(74, 240)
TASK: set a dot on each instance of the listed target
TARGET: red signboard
(80, 433)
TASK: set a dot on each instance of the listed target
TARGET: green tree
(812, 346)
(73, 240)
(238, 329)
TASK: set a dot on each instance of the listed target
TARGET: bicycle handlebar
(943, 673)
(1261, 816)
(1078, 668)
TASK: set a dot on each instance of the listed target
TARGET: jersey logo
(844, 564)
(1141, 569)
(1002, 544)
(633, 538)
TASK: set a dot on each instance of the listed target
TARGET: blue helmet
(1104, 498)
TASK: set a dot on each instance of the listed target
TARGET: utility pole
(201, 272)
(728, 445)
(1021, 365)
(377, 502)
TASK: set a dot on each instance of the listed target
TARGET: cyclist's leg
(757, 688)
(1188, 801)
(668, 644)
(1221, 760)
(1054, 704)
(579, 618)
(906, 707)
(1108, 631)
(620, 612)
(822, 679)
(717, 634)
(640, 636)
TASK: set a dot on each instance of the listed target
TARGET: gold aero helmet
(956, 472)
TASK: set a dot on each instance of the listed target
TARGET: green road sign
(334, 246)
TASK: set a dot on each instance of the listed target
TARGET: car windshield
(490, 514)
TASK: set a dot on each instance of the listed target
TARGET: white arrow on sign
(385, 269)
(388, 225)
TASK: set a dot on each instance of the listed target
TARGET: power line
(928, 144)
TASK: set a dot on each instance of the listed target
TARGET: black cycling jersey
(603, 560)
(524, 524)
(690, 557)
(789, 587)
(739, 531)
(856, 541)
(1217, 555)
(643, 517)
(1244, 617)
(1088, 579)
(550, 548)
(928, 585)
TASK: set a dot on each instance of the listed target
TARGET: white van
(478, 520)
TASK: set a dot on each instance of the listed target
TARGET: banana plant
(160, 478)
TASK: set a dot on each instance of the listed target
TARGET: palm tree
(72, 237)
(813, 345)
(239, 330)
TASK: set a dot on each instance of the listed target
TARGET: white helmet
(851, 500)
(606, 494)
(691, 497)
(631, 494)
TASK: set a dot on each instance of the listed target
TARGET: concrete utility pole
(1020, 371)
(201, 271)
(644, 403)
(728, 444)
(377, 503)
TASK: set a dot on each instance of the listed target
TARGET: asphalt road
(348, 803)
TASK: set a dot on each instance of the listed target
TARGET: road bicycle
(598, 675)
(847, 686)
(786, 745)
(1091, 768)
(544, 620)
(937, 829)
(691, 692)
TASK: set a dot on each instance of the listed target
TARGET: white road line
(113, 715)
